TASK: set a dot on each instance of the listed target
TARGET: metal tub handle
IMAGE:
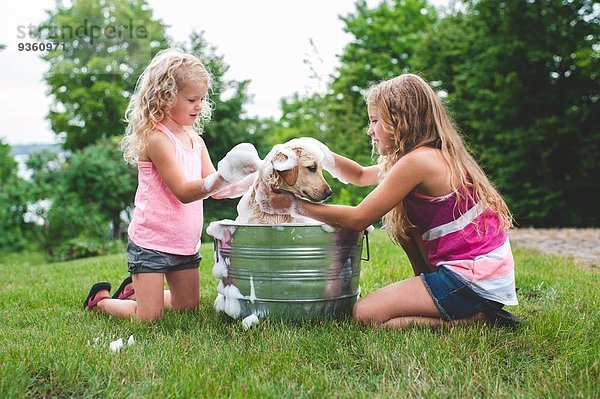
(216, 249)
(366, 239)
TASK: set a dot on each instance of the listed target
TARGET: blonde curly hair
(413, 116)
(156, 93)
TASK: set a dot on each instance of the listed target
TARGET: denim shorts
(454, 299)
(142, 260)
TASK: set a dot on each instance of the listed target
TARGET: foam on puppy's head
(285, 164)
(308, 145)
(282, 161)
(285, 158)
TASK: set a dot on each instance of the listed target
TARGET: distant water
(22, 170)
(33, 209)
(20, 152)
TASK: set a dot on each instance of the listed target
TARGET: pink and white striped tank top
(469, 242)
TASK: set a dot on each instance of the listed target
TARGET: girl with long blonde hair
(175, 174)
(436, 202)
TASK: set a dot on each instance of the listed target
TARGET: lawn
(50, 347)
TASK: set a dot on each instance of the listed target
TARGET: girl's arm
(416, 252)
(404, 176)
(345, 169)
(207, 166)
(161, 152)
(236, 189)
(222, 189)
(354, 173)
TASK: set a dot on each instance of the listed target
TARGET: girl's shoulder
(156, 141)
(425, 157)
(425, 151)
(198, 140)
(430, 169)
(156, 137)
(420, 163)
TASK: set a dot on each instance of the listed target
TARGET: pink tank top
(469, 243)
(160, 221)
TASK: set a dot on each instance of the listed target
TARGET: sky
(264, 41)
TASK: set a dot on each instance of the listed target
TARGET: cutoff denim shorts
(454, 299)
(142, 260)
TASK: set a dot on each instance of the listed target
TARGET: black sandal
(119, 294)
(88, 303)
(502, 318)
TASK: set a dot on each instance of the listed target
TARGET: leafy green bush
(77, 248)
(85, 247)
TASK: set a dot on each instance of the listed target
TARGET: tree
(103, 46)
(384, 43)
(8, 165)
(13, 203)
(89, 186)
(523, 83)
(88, 192)
(98, 175)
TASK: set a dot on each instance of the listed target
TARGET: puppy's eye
(312, 169)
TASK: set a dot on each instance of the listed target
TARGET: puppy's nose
(328, 192)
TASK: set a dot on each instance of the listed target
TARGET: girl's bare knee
(186, 305)
(150, 314)
(362, 312)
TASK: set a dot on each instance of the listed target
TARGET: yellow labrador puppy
(296, 167)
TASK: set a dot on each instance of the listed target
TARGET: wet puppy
(295, 167)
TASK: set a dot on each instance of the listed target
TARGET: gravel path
(583, 245)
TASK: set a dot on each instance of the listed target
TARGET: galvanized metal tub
(292, 271)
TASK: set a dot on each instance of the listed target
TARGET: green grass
(47, 341)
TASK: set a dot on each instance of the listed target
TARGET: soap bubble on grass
(117, 345)
(114, 345)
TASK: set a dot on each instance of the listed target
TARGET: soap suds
(250, 321)
(239, 162)
(219, 270)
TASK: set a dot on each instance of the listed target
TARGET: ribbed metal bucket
(292, 271)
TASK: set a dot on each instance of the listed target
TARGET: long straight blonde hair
(413, 116)
(156, 93)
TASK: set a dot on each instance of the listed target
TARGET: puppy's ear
(285, 163)
(289, 176)
(284, 159)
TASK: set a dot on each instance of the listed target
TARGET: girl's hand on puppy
(328, 159)
(276, 203)
(241, 161)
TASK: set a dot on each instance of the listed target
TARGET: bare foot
(99, 294)
(129, 288)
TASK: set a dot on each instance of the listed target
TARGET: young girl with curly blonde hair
(436, 202)
(175, 173)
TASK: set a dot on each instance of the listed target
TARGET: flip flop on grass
(121, 293)
(91, 304)
(503, 318)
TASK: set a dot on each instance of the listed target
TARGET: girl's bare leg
(166, 294)
(399, 305)
(184, 289)
(149, 299)
(167, 297)
(117, 307)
